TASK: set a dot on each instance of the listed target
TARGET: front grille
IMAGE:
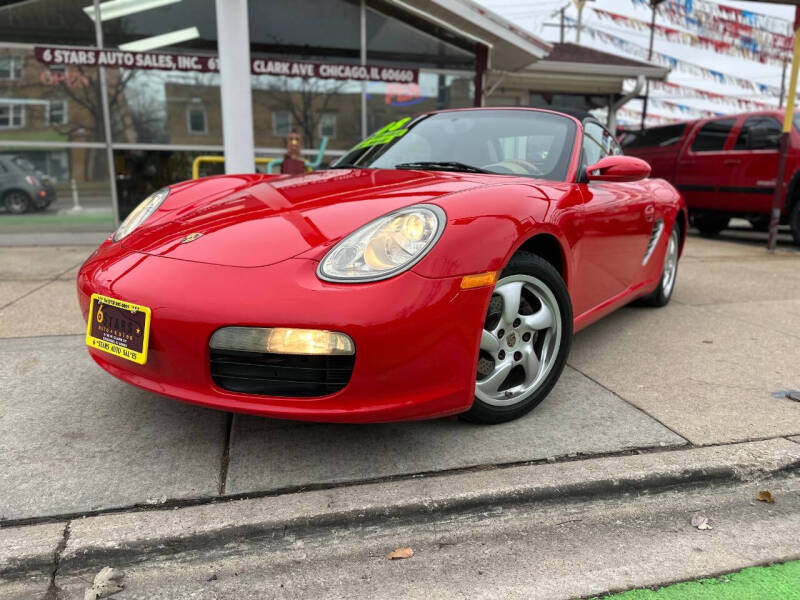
(280, 374)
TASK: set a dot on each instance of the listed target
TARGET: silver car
(22, 187)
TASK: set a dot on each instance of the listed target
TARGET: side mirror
(619, 169)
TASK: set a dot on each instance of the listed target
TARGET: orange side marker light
(478, 280)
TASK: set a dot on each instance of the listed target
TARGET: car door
(754, 157)
(617, 222)
(705, 165)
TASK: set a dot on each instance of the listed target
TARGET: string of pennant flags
(739, 46)
(735, 21)
(685, 91)
(628, 116)
(709, 23)
(686, 109)
(690, 112)
(675, 63)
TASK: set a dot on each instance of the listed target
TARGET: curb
(125, 538)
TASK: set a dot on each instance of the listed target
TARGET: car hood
(253, 220)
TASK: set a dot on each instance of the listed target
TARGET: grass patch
(777, 582)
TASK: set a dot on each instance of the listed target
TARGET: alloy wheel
(16, 202)
(519, 342)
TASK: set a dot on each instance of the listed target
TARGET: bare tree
(306, 102)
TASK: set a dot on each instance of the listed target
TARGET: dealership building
(112, 100)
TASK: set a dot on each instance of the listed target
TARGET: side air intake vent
(658, 227)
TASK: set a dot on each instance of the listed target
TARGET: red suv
(725, 167)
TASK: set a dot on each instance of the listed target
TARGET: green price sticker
(386, 134)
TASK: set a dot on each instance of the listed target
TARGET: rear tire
(669, 272)
(16, 202)
(794, 222)
(760, 223)
(710, 225)
(525, 341)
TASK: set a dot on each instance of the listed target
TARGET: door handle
(731, 161)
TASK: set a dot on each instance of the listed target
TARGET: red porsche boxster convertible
(440, 267)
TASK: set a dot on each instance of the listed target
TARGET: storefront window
(51, 116)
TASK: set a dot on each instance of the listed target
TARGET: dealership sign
(163, 61)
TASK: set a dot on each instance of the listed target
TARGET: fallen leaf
(765, 496)
(708, 341)
(106, 583)
(701, 522)
(400, 553)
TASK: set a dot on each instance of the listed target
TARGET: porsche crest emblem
(191, 237)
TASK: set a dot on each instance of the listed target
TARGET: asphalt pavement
(710, 371)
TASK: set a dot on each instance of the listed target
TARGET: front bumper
(416, 338)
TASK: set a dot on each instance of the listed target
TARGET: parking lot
(711, 368)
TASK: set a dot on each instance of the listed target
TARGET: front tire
(525, 341)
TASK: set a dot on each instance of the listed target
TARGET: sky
(535, 14)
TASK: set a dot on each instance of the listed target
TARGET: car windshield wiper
(441, 166)
(345, 166)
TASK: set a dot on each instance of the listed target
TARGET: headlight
(386, 246)
(140, 214)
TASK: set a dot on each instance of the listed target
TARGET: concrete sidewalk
(711, 368)
(176, 548)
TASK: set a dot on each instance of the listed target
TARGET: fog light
(282, 340)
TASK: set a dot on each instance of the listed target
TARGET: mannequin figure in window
(293, 163)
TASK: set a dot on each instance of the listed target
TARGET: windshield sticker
(386, 134)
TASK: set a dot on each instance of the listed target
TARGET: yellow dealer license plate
(119, 328)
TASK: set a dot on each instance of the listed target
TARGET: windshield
(505, 142)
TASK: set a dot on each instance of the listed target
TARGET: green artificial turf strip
(778, 582)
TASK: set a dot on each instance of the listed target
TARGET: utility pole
(653, 4)
(778, 196)
(579, 4)
(561, 36)
(783, 84)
